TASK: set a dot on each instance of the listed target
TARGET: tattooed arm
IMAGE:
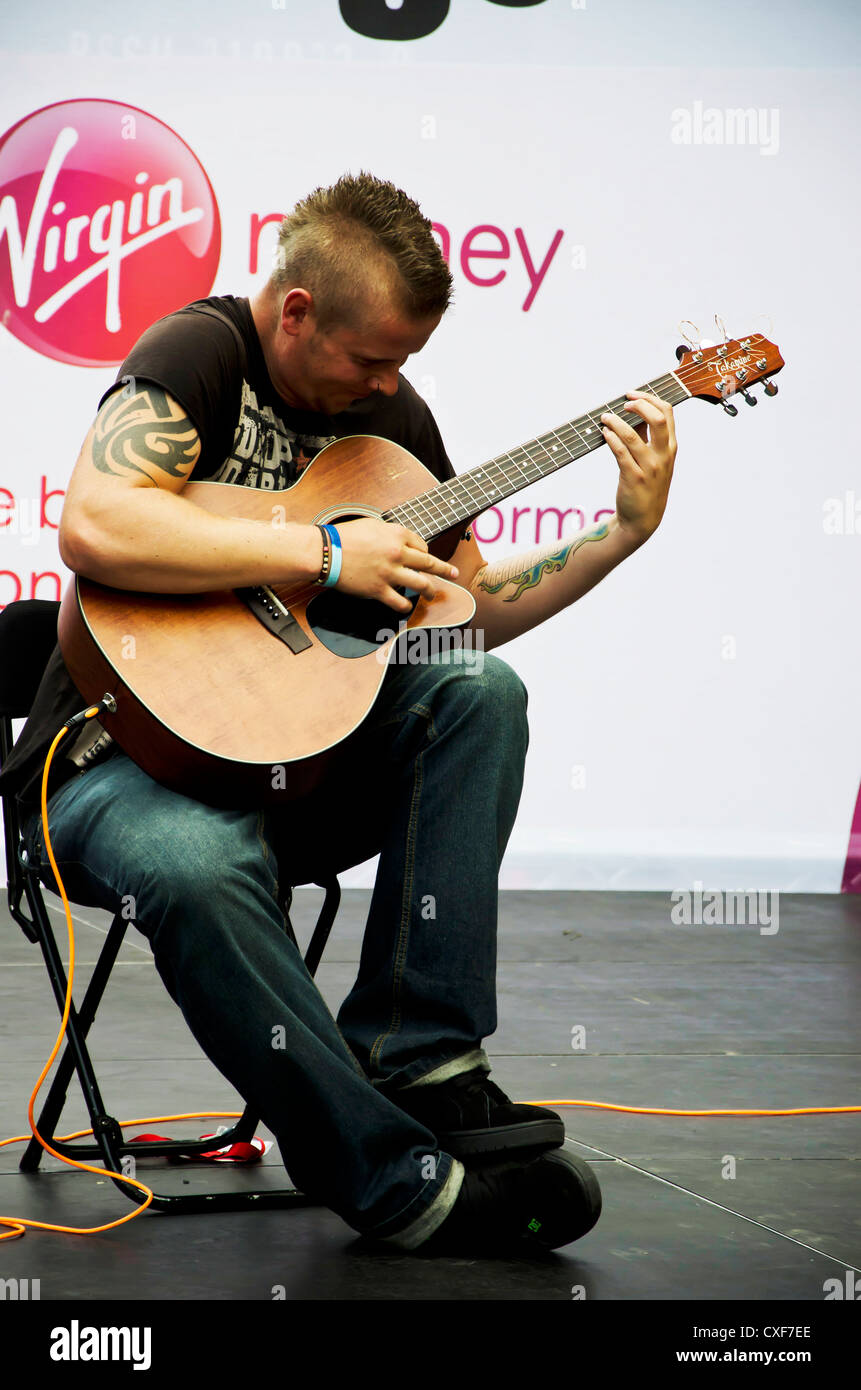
(126, 524)
(517, 594)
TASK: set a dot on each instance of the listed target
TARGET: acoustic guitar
(243, 697)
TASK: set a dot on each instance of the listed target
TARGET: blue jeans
(433, 786)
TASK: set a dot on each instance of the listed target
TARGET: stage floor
(676, 1017)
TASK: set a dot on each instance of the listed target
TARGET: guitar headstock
(716, 373)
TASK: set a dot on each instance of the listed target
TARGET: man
(387, 1114)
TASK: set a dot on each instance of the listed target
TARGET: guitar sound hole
(350, 626)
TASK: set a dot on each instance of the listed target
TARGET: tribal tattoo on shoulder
(127, 437)
(526, 575)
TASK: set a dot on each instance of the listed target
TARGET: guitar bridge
(270, 611)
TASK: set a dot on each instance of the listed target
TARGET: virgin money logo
(107, 223)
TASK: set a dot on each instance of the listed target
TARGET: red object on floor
(234, 1153)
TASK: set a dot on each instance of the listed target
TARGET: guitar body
(234, 699)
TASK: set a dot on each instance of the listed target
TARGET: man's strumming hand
(379, 555)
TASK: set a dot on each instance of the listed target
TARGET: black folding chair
(28, 635)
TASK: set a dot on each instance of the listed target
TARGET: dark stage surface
(679, 1017)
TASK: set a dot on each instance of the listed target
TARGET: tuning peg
(770, 388)
(681, 350)
(751, 400)
(726, 390)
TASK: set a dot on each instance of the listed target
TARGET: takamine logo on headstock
(716, 373)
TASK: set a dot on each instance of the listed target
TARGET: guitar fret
(534, 463)
(477, 478)
(559, 444)
(460, 495)
(430, 524)
(429, 509)
(525, 476)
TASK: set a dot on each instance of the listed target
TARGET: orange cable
(642, 1110)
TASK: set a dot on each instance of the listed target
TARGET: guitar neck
(469, 494)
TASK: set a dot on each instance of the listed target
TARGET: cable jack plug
(107, 705)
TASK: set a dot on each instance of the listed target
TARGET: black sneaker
(471, 1116)
(518, 1207)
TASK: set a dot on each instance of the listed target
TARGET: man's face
(327, 371)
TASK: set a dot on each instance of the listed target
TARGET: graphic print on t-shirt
(265, 454)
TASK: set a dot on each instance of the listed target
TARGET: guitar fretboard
(470, 493)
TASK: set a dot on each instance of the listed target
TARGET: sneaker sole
(468, 1143)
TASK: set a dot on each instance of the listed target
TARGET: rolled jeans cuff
(456, 1066)
(433, 1215)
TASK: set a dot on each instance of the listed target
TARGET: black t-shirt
(208, 357)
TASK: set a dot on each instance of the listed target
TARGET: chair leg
(75, 1033)
(56, 1097)
(324, 924)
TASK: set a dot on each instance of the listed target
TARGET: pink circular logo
(107, 223)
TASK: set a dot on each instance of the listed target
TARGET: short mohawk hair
(359, 246)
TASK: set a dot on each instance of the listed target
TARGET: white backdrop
(694, 718)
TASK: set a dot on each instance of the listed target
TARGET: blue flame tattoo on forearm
(535, 570)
